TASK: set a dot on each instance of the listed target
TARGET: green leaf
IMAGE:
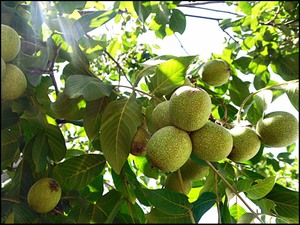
(242, 63)
(177, 21)
(292, 91)
(226, 217)
(237, 211)
(9, 146)
(246, 218)
(142, 9)
(120, 120)
(69, 7)
(261, 80)
(169, 75)
(67, 108)
(287, 66)
(90, 88)
(23, 214)
(203, 204)
(157, 216)
(235, 22)
(261, 188)
(260, 103)
(287, 202)
(100, 211)
(77, 172)
(33, 66)
(22, 180)
(40, 150)
(93, 115)
(162, 13)
(131, 214)
(8, 117)
(168, 202)
(56, 142)
(245, 7)
(90, 21)
(266, 206)
(144, 165)
(238, 90)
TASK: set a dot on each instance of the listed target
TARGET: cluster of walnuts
(183, 126)
(13, 80)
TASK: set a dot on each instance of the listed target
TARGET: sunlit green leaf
(90, 21)
(169, 75)
(261, 188)
(237, 211)
(245, 7)
(144, 165)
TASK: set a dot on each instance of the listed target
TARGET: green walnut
(246, 144)
(193, 171)
(215, 72)
(3, 68)
(212, 142)
(161, 116)
(278, 129)
(169, 148)
(10, 43)
(190, 108)
(173, 183)
(139, 142)
(13, 84)
(44, 195)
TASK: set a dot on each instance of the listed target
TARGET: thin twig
(204, 17)
(145, 93)
(201, 3)
(194, 6)
(217, 199)
(233, 190)
(51, 69)
(181, 44)
(262, 89)
(118, 65)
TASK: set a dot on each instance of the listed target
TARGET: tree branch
(208, 9)
(204, 17)
(118, 65)
(233, 190)
(51, 66)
